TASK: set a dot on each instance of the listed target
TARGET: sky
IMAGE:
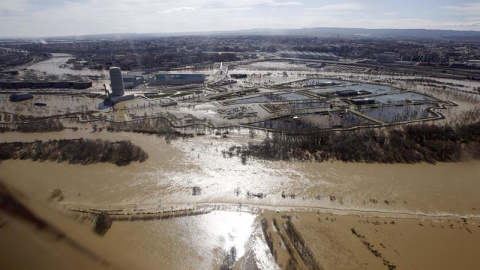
(44, 18)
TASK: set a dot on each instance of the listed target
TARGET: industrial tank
(116, 81)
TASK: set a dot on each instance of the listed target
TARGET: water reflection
(195, 242)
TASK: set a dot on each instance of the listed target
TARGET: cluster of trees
(48, 125)
(159, 126)
(81, 151)
(103, 222)
(410, 144)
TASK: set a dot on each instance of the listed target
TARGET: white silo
(116, 80)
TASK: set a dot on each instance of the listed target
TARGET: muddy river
(52, 66)
(167, 178)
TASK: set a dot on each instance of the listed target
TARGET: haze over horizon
(40, 18)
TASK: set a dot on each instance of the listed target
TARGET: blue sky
(77, 17)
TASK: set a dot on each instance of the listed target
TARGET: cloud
(77, 17)
(416, 24)
(465, 9)
(250, 3)
(273, 3)
(171, 10)
(339, 7)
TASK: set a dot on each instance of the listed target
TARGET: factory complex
(176, 79)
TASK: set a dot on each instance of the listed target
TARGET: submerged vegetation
(410, 144)
(103, 222)
(81, 151)
(159, 126)
(48, 125)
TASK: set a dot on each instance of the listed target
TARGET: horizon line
(233, 32)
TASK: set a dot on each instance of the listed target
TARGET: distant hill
(325, 32)
(317, 31)
(362, 32)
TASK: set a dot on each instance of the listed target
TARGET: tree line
(408, 144)
(159, 126)
(80, 151)
(48, 125)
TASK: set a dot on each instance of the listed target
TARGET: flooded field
(311, 122)
(374, 89)
(402, 98)
(390, 114)
(271, 98)
(362, 242)
(55, 105)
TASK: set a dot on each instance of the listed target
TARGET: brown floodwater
(166, 179)
(194, 242)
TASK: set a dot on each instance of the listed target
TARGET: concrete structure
(177, 79)
(132, 81)
(346, 93)
(20, 96)
(117, 99)
(116, 80)
(362, 101)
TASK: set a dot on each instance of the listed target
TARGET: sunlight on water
(195, 242)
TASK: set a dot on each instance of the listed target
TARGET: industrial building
(117, 86)
(132, 81)
(177, 79)
(20, 96)
(116, 80)
(308, 55)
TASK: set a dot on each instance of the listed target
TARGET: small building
(177, 79)
(20, 96)
(362, 101)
